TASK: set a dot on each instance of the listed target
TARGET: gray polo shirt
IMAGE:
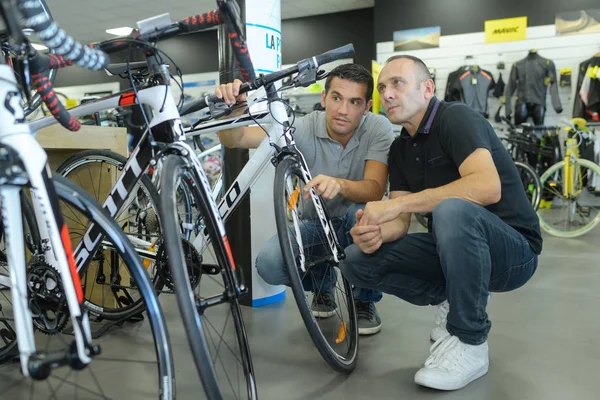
(371, 141)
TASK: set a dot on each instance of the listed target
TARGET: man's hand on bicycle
(326, 186)
(229, 92)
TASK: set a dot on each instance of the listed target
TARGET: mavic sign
(506, 30)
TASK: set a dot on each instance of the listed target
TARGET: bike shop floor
(543, 342)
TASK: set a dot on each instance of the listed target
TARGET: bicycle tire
(32, 240)
(558, 167)
(536, 195)
(174, 174)
(117, 160)
(342, 363)
(72, 381)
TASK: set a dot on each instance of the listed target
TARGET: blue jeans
(469, 253)
(272, 269)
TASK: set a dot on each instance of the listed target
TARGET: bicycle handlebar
(308, 63)
(71, 52)
(228, 14)
(58, 40)
(67, 51)
(200, 22)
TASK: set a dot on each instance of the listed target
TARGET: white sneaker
(441, 317)
(453, 364)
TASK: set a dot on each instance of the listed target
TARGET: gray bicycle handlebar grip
(335, 54)
(58, 40)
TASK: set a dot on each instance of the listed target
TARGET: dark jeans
(469, 253)
(272, 269)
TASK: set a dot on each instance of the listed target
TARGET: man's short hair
(353, 73)
(423, 72)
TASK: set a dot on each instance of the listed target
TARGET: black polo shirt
(448, 134)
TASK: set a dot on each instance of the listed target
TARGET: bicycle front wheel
(210, 310)
(324, 297)
(577, 212)
(148, 366)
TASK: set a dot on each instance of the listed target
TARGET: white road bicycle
(336, 338)
(40, 288)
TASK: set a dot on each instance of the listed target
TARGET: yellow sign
(506, 30)
(375, 70)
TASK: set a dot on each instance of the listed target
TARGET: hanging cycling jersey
(452, 94)
(499, 89)
(473, 85)
(530, 78)
(587, 99)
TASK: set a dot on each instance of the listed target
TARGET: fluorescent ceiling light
(39, 46)
(124, 31)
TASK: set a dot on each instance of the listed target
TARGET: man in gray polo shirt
(346, 149)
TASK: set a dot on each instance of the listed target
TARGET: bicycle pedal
(211, 269)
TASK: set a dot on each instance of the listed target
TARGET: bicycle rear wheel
(222, 354)
(150, 374)
(336, 336)
(97, 171)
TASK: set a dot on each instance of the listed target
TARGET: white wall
(565, 51)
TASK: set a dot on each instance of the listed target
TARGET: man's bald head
(421, 71)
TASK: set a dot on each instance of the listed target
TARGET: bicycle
(337, 338)
(574, 210)
(221, 354)
(519, 145)
(345, 333)
(46, 292)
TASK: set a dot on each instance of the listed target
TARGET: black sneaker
(369, 322)
(323, 306)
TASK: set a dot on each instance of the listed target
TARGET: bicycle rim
(578, 213)
(335, 335)
(216, 334)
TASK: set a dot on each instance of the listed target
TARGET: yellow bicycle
(570, 187)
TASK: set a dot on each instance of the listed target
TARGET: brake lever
(220, 109)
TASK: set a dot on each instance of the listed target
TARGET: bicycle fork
(32, 170)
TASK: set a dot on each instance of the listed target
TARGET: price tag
(473, 81)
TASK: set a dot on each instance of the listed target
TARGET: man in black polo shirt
(484, 235)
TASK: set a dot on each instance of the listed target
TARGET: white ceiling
(87, 20)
